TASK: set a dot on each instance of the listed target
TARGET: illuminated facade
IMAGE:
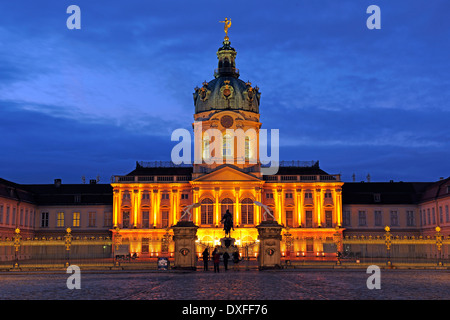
(302, 197)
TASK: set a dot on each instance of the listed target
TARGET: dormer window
(376, 197)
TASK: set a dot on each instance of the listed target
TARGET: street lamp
(187, 210)
(266, 210)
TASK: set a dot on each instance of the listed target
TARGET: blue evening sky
(93, 101)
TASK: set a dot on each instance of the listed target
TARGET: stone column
(269, 245)
(184, 236)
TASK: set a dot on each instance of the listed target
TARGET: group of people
(216, 259)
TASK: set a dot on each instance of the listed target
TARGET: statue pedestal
(184, 236)
(269, 245)
(227, 245)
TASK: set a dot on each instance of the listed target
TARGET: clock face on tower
(226, 121)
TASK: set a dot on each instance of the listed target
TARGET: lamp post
(439, 245)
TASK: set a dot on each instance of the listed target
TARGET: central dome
(226, 91)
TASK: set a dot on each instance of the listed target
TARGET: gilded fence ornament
(68, 238)
(17, 239)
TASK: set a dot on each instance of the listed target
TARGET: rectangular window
(21, 217)
(308, 195)
(184, 196)
(410, 221)
(146, 196)
(428, 216)
(309, 220)
(44, 219)
(13, 220)
(362, 218)
(145, 219)
(1, 213)
(26, 218)
(76, 219)
(164, 196)
(7, 216)
(126, 196)
(288, 195)
(289, 219)
(165, 219)
(125, 219)
(269, 195)
(328, 195)
(92, 219)
(346, 222)
(60, 219)
(329, 219)
(433, 215)
(447, 216)
(107, 219)
(77, 198)
(441, 215)
(394, 218)
(378, 218)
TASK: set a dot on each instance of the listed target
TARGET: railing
(302, 178)
(132, 179)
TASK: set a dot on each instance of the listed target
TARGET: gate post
(17, 244)
(184, 236)
(269, 244)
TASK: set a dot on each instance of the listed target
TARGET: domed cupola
(226, 91)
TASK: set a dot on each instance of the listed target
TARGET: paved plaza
(305, 284)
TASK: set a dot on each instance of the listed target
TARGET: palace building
(142, 206)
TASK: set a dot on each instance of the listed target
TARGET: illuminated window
(165, 219)
(146, 219)
(289, 218)
(247, 211)
(125, 219)
(207, 211)
(309, 220)
(60, 219)
(328, 219)
(76, 219)
(226, 146)
(145, 245)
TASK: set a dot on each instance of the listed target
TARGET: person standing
(205, 255)
(225, 257)
(236, 260)
(216, 260)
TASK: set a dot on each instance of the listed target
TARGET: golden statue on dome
(227, 25)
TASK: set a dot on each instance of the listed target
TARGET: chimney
(57, 183)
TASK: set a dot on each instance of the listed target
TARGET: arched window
(227, 146)
(247, 211)
(226, 204)
(205, 147)
(207, 211)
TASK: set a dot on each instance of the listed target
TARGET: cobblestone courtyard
(247, 285)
